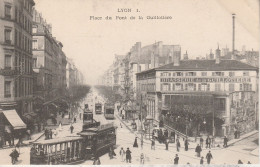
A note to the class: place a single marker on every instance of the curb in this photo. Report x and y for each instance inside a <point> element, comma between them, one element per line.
<point>242,138</point>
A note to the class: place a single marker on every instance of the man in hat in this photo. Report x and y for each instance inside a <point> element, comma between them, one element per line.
<point>128,155</point>
<point>176,159</point>
<point>209,157</point>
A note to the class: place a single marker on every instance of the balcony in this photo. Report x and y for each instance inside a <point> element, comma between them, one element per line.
<point>8,72</point>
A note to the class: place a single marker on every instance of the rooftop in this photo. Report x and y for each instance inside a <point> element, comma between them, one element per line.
<point>204,65</point>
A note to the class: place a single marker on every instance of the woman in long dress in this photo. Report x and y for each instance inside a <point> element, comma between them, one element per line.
<point>135,143</point>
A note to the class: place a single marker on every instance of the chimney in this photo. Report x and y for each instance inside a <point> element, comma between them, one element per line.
<point>185,56</point>
<point>176,59</point>
<point>233,36</point>
<point>217,55</point>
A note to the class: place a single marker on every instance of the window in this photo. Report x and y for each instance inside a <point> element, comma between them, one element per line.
<point>203,73</point>
<point>191,86</point>
<point>231,87</point>
<point>8,61</point>
<point>247,87</point>
<point>245,73</point>
<point>217,73</point>
<point>179,73</point>
<point>8,36</point>
<point>241,87</point>
<point>191,74</point>
<point>7,89</point>
<point>231,74</point>
<point>8,11</point>
<point>165,87</point>
<point>220,104</point>
<point>34,29</point>
<point>217,87</point>
<point>186,86</point>
<point>204,87</point>
<point>178,86</point>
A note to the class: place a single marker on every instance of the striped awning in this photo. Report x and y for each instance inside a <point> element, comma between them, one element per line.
<point>14,119</point>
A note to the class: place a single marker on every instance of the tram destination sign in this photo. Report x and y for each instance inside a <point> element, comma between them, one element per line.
<point>222,79</point>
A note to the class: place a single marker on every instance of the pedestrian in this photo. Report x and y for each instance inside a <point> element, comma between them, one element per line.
<point>46,133</point>
<point>50,134</point>
<point>239,162</point>
<point>201,142</point>
<point>121,125</point>
<point>55,132</point>
<point>209,157</point>
<point>142,158</point>
<point>186,143</point>
<point>225,142</point>
<point>153,145</point>
<point>178,145</point>
<point>128,155</point>
<point>14,156</point>
<point>198,150</point>
<point>71,128</point>
<point>176,159</point>
<point>135,142</point>
<point>166,144</point>
<point>29,134</point>
<point>235,134</point>
<point>208,142</point>
<point>202,160</point>
<point>142,143</point>
<point>122,154</point>
<point>75,119</point>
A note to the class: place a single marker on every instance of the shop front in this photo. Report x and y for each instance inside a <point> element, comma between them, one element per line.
<point>11,126</point>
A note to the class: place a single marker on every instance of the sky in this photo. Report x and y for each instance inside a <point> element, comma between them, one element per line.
<point>196,25</point>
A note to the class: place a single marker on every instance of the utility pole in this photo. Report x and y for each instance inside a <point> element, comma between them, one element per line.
<point>141,118</point>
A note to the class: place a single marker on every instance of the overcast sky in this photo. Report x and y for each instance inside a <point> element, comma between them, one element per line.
<point>197,25</point>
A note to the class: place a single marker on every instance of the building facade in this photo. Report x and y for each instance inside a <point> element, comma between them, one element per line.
<point>49,61</point>
<point>215,97</point>
<point>15,62</point>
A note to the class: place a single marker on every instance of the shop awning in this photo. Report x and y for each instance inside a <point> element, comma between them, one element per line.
<point>14,119</point>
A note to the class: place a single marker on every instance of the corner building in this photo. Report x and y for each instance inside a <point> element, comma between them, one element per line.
<point>194,97</point>
<point>15,65</point>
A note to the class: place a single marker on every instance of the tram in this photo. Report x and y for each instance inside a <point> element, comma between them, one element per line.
<point>98,108</point>
<point>67,150</point>
<point>109,111</point>
<point>93,141</point>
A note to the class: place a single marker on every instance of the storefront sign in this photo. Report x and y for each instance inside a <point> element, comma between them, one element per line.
<point>222,79</point>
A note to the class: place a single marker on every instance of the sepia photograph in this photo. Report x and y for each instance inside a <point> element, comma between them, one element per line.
<point>129,82</point>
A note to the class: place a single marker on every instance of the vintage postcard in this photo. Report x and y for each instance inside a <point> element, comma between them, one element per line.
<point>129,82</point>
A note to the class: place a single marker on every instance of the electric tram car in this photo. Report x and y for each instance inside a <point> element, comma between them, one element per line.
<point>93,141</point>
<point>109,111</point>
<point>98,108</point>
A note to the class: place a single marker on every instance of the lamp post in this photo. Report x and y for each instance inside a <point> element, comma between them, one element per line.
<point>187,121</point>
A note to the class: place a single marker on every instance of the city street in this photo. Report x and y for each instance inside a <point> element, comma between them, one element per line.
<point>241,150</point>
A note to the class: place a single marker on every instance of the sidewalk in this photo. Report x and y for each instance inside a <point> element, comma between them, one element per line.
<point>192,142</point>
<point>34,137</point>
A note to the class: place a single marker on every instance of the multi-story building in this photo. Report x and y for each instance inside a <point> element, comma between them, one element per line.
<point>15,63</point>
<point>194,96</point>
<point>49,61</point>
